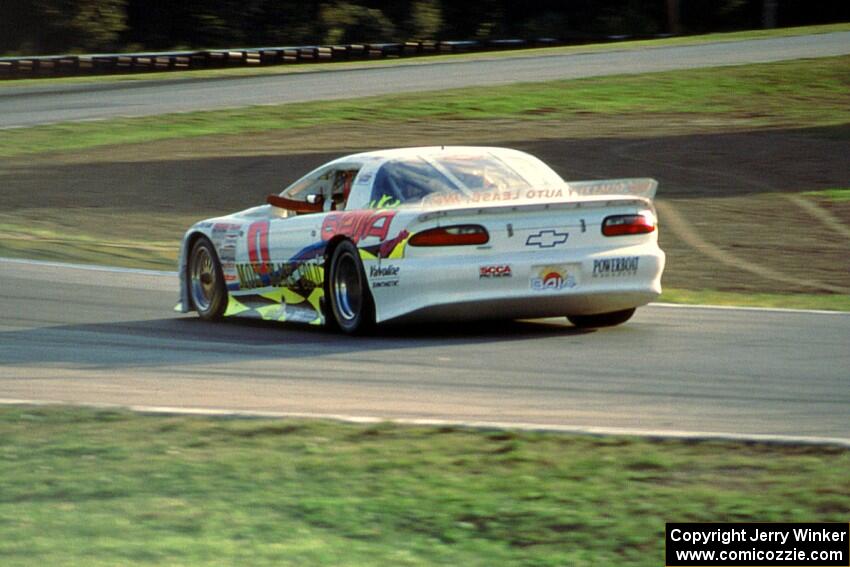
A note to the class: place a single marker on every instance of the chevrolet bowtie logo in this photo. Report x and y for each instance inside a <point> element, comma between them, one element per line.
<point>547,238</point>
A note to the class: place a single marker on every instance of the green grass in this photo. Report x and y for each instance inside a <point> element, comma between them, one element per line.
<point>788,94</point>
<point>93,236</point>
<point>827,302</point>
<point>834,195</point>
<point>282,69</point>
<point>89,487</point>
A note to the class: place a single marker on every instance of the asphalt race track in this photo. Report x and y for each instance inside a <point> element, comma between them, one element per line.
<point>49,103</point>
<point>111,337</point>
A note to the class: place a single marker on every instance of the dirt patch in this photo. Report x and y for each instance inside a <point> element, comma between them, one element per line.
<point>726,186</point>
<point>153,177</point>
<point>753,243</point>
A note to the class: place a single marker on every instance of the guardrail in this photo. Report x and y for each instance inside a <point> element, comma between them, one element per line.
<point>118,63</point>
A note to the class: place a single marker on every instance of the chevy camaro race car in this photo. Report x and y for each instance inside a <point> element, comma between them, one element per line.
<point>438,233</point>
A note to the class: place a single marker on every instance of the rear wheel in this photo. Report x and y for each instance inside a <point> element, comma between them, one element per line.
<point>602,319</point>
<point>350,301</point>
<point>206,282</point>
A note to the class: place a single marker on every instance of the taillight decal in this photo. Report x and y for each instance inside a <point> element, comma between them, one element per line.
<point>457,235</point>
<point>622,225</point>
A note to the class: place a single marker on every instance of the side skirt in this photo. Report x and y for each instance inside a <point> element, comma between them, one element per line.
<point>278,304</point>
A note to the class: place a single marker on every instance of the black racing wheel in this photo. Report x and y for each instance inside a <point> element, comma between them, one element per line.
<point>206,282</point>
<point>351,303</point>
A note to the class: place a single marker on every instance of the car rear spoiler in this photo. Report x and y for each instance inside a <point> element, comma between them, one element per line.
<point>295,206</point>
<point>530,206</point>
<point>639,187</point>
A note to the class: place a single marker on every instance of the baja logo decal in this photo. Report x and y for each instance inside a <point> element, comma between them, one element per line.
<point>613,267</point>
<point>548,238</point>
<point>500,271</point>
<point>258,247</point>
<point>553,278</point>
<point>358,225</point>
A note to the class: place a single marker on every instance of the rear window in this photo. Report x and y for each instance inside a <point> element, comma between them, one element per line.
<point>404,181</point>
<point>482,173</point>
<point>410,180</point>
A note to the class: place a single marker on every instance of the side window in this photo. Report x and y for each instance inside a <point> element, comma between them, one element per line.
<point>310,184</point>
<point>341,188</point>
<point>331,185</point>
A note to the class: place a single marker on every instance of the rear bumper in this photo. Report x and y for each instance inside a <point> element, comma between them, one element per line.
<point>540,284</point>
<point>529,308</point>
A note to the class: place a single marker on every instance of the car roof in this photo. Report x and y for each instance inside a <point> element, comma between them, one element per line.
<point>430,151</point>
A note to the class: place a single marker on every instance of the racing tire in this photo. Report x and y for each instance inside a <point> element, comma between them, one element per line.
<point>206,281</point>
<point>352,309</point>
<point>601,319</point>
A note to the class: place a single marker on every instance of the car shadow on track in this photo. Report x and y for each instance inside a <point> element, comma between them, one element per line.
<point>242,330</point>
<point>189,340</point>
<point>464,332</point>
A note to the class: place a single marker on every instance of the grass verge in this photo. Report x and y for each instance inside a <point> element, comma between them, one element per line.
<point>89,236</point>
<point>826,302</point>
<point>792,93</point>
<point>81,486</point>
<point>593,48</point>
<point>832,195</point>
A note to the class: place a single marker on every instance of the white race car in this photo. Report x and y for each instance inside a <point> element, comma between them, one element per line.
<point>441,233</point>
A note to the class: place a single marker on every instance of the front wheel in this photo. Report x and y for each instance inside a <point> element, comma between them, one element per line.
<point>350,301</point>
<point>206,281</point>
<point>601,319</point>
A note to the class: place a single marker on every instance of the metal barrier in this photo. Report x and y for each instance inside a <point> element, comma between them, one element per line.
<point>117,63</point>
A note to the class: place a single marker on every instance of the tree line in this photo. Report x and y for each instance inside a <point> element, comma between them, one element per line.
<point>35,27</point>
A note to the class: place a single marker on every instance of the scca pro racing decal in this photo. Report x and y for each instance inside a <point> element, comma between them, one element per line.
<point>615,267</point>
<point>553,278</point>
<point>497,271</point>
